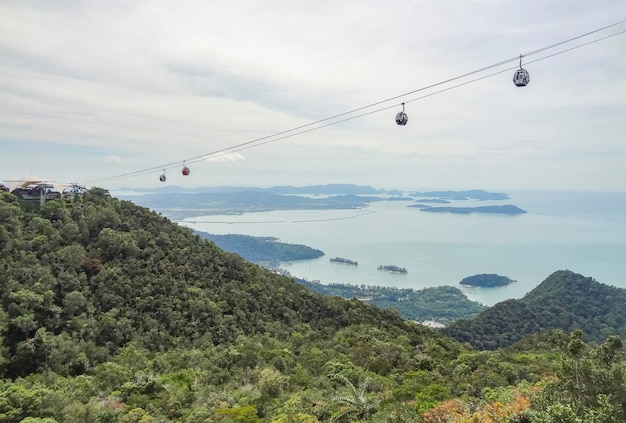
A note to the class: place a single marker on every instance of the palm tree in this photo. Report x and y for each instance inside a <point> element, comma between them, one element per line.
<point>355,405</point>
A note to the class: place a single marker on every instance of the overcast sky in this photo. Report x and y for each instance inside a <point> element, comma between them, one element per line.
<point>94,89</point>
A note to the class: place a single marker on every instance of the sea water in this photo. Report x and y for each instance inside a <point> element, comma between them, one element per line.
<point>581,231</point>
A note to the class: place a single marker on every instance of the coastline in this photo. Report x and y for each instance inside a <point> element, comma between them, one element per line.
<point>584,232</point>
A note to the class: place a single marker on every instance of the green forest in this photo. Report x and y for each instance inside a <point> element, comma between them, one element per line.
<point>442,304</point>
<point>486,280</point>
<point>112,313</point>
<point>263,250</point>
<point>565,300</point>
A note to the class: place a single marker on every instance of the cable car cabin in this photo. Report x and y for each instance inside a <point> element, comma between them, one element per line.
<point>521,78</point>
<point>185,171</point>
<point>402,118</point>
<point>163,178</point>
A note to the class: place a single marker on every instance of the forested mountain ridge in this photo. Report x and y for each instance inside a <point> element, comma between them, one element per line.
<point>261,250</point>
<point>565,300</point>
<point>104,272</point>
<point>110,313</point>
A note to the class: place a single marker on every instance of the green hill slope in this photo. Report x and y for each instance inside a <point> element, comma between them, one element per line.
<point>261,250</point>
<point>565,300</point>
<point>110,313</point>
<point>101,273</point>
<point>439,305</point>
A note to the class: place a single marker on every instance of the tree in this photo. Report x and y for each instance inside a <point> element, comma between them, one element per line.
<point>357,404</point>
<point>113,244</point>
<point>291,412</point>
<point>137,415</point>
<point>18,401</point>
<point>591,385</point>
<point>240,414</point>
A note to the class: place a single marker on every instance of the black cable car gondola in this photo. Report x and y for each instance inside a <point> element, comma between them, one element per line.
<point>186,170</point>
<point>402,118</point>
<point>521,78</point>
<point>163,178</point>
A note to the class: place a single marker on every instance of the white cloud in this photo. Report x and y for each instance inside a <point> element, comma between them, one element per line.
<point>226,158</point>
<point>113,159</point>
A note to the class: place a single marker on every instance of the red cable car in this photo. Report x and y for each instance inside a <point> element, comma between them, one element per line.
<point>186,170</point>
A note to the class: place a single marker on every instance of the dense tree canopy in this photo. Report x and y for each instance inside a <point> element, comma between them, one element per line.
<point>262,250</point>
<point>112,313</point>
<point>565,300</point>
<point>105,272</point>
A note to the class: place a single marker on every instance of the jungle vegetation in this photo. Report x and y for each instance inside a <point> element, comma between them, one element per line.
<point>443,304</point>
<point>565,300</point>
<point>263,250</point>
<point>112,313</point>
<point>486,280</point>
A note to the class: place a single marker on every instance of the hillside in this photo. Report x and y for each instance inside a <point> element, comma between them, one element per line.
<point>439,305</point>
<point>111,313</point>
<point>565,300</point>
<point>106,272</point>
<point>85,284</point>
<point>261,250</point>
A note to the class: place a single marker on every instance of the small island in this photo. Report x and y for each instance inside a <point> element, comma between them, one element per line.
<point>486,280</point>
<point>344,260</point>
<point>508,210</point>
<point>392,268</point>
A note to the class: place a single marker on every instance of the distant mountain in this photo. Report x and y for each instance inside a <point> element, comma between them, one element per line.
<point>474,194</point>
<point>327,189</point>
<point>180,205</point>
<point>284,189</point>
<point>565,300</point>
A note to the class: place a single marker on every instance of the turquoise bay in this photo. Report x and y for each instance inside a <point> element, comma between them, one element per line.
<point>581,231</point>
